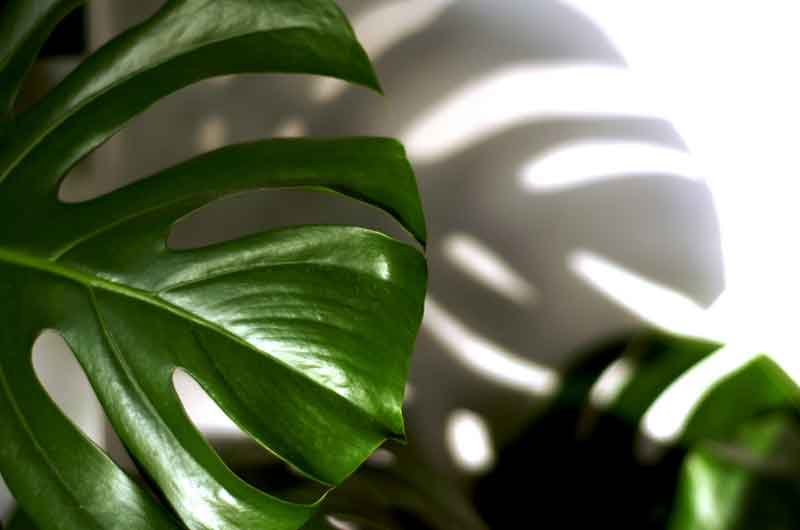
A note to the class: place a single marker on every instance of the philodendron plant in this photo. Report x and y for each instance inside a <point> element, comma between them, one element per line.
<point>301,334</point>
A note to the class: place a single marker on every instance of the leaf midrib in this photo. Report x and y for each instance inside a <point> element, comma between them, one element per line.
<point>90,281</point>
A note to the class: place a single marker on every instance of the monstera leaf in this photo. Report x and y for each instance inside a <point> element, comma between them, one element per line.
<point>301,334</point>
<point>739,446</point>
<point>393,490</point>
<point>742,471</point>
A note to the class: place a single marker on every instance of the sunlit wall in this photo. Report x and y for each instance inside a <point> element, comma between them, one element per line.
<point>585,165</point>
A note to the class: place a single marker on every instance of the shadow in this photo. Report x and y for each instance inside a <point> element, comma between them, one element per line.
<point>661,227</point>
<point>588,464</point>
<point>583,477</point>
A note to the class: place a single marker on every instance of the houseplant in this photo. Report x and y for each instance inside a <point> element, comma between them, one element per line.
<point>301,334</point>
<point>734,465</point>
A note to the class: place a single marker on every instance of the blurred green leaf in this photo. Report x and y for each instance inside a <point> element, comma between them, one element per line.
<point>754,389</point>
<point>658,359</point>
<point>576,453</point>
<point>397,491</point>
<point>21,521</point>
<point>750,481</point>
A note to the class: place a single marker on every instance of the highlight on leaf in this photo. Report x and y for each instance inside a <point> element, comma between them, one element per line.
<point>301,335</point>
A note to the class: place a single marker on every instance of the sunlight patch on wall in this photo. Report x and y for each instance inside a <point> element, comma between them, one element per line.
<point>739,118</point>
<point>582,163</point>
<point>520,94</point>
<point>482,264</point>
<point>612,382</point>
<point>485,358</point>
<point>656,304</point>
<point>667,417</point>
<point>213,133</point>
<point>293,127</point>
<point>469,441</point>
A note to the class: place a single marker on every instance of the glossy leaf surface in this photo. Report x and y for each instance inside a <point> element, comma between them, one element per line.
<point>301,334</point>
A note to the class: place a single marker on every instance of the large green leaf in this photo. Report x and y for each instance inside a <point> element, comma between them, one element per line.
<point>186,41</point>
<point>301,334</point>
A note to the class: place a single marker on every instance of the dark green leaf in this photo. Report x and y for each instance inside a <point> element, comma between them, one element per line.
<point>370,169</point>
<point>402,494</point>
<point>658,360</point>
<point>301,334</point>
<point>750,481</point>
<point>756,388</point>
<point>21,521</point>
<point>24,27</point>
<point>186,41</point>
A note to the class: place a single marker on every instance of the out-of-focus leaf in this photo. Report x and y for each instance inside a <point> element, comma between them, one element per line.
<point>21,521</point>
<point>658,360</point>
<point>578,464</point>
<point>758,387</point>
<point>750,481</point>
<point>396,492</point>
<point>583,455</point>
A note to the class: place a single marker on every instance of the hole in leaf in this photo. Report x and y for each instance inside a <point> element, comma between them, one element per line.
<point>58,56</point>
<point>213,133</point>
<point>66,383</point>
<point>6,502</point>
<point>68,37</point>
<point>241,453</point>
<point>256,211</point>
<point>293,127</point>
<point>64,380</point>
